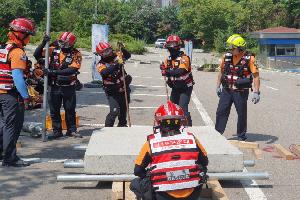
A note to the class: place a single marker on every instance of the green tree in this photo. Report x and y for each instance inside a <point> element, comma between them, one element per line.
<point>202,19</point>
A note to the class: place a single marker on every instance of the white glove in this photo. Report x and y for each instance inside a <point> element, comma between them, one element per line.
<point>256,97</point>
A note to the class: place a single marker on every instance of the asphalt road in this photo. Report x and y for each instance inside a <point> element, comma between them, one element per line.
<point>275,119</point>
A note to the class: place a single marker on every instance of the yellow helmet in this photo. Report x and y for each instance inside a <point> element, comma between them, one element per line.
<point>235,40</point>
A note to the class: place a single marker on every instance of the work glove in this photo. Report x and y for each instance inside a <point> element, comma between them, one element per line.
<point>46,39</point>
<point>120,45</point>
<point>163,69</point>
<point>219,91</point>
<point>28,103</point>
<point>49,72</point>
<point>256,97</point>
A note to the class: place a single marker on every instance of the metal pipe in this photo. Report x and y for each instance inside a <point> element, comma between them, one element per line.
<point>126,177</point>
<point>80,147</point>
<point>249,163</point>
<point>44,138</point>
<point>74,164</point>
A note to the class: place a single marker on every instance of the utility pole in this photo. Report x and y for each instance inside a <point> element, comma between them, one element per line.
<point>96,11</point>
<point>46,66</point>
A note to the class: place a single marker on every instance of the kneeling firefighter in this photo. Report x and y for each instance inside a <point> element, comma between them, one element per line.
<point>110,68</point>
<point>65,62</point>
<point>172,164</point>
<point>177,69</point>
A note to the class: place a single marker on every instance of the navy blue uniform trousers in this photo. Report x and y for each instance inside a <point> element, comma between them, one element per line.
<point>239,99</point>
<point>11,123</point>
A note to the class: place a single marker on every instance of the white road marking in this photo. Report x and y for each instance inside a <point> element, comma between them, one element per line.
<point>153,86</point>
<point>207,120</point>
<point>132,94</point>
<point>250,186</point>
<point>102,125</point>
<point>85,72</point>
<point>147,77</point>
<point>252,189</point>
<point>107,106</point>
<point>272,88</point>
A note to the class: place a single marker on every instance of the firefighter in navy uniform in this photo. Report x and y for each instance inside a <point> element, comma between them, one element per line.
<point>65,62</point>
<point>110,68</point>
<point>177,69</point>
<point>172,164</point>
<point>14,95</point>
<point>238,71</point>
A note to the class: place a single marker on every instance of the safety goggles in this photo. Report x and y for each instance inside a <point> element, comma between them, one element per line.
<point>107,52</point>
<point>170,122</point>
<point>63,44</point>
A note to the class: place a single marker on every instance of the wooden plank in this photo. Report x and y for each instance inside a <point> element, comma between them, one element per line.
<point>117,191</point>
<point>217,191</point>
<point>283,152</point>
<point>18,144</point>
<point>295,149</point>
<point>257,153</point>
<point>245,145</point>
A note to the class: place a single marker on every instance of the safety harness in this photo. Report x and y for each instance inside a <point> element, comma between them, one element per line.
<point>115,80</point>
<point>186,79</point>
<point>56,64</point>
<point>237,76</point>
<point>174,162</point>
<point>6,79</point>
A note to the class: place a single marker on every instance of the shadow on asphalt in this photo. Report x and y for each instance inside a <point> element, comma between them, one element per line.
<point>16,185</point>
<point>237,184</point>
<point>257,137</point>
<point>100,185</point>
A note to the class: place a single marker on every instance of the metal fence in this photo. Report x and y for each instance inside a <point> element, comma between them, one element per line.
<point>283,64</point>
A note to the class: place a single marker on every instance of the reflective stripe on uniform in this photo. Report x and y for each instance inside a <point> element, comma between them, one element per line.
<point>177,186</point>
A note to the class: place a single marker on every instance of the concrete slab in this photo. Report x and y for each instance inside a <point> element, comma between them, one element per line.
<point>113,150</point>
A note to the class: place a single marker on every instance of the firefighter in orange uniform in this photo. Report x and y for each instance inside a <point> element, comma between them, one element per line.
<point>13,90</point>
<point>65,62</point>
<point>110,68</point>
<point>238,72</point>
<point>177,69</point>
<point>172,164</point>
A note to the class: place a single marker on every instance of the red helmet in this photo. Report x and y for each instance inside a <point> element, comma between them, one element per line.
<point>173,41</point>
<point>104,49</point>
<point>66,39</point>
<point>170,111</point>
<point>22,25</point>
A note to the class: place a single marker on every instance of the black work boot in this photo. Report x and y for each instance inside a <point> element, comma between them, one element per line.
<point>73,134</point>
<point>55,136</point>
<point>18,163</point>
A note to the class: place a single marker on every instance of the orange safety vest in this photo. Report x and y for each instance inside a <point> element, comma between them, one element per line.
<point>114,81</point>
<point>234,72</point>
<point>174,162</point>
<point>56,64</point>
<point>187,77</point>
<point>6,79</point>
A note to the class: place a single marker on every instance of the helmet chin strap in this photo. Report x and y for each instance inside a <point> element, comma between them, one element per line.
<point>25,35</point>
